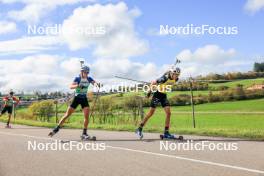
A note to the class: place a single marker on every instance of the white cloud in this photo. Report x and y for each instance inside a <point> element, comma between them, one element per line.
<point>30,73</point>
<point>39,72</point>
<point>52,73</point>
<point>26,45</point>
<point>207,54</point>
<point>31,13</point>
<point>105,71</point>
<point>70,66</point>
<point>7,27</point>
<point>211,59</point>
<point>253,6</point>
<point>120,39</point>
<point>108,68</point>
<point>47,2</point>
<point>34,10</point>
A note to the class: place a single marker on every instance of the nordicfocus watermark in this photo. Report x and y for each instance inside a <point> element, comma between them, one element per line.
<point>191,29</point>
<point>190,145</point>
<point>58,29</point>
<point>65,146</point>
<point>124,87</point>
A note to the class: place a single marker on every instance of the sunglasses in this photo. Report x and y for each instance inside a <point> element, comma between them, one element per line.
<point>174,73</point>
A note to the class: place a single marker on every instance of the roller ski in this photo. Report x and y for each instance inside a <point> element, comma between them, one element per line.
<point>139,133</point>
<point>86,137</point>
<point>167,135</point>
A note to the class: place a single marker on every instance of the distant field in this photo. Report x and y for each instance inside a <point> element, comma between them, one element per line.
<point>234,106</point>
<point>246,83</point>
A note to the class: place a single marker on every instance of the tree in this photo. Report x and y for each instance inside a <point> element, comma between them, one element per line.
<point>133,104</point>
<point>104,108</point>
<point>259,67</point>
<point>43,109</point>
<point>239,92</point>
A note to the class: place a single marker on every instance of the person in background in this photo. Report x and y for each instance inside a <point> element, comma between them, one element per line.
<point>10,102</point>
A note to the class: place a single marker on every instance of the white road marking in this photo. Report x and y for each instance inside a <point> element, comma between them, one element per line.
<point>189,159</point>
<point>152,153</point>
<point>28,136</point>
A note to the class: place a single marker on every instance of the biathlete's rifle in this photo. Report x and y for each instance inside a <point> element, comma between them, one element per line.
<point>68,98</point>
<point>14,109</point>
<point>177,61</point>
<point>97,94</point>
<point>81,62</point>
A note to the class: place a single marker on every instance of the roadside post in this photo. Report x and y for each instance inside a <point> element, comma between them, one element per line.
<point>192,102</point>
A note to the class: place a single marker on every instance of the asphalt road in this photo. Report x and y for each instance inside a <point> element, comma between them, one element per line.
<point>122,154</point>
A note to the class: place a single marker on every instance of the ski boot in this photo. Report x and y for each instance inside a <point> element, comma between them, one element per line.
<point>54,131</point>
<point>167,135</point>
<point>86,137</point>
<point>139,133</point>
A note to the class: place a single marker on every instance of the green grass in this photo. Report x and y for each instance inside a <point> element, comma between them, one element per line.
<point>216,124</point>
<point>245,82</point>
<point>233,106</point>
<point>250,126</point>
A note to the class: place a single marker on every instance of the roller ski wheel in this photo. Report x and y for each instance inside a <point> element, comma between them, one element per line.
<point>172,137</point>
<point>8,126</point>
<point>88,138</point>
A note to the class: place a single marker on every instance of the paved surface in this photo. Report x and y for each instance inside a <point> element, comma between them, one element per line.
<point>123,155</point>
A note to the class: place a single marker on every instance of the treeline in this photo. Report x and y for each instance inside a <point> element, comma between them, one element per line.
<point>259,67</point>
<point>234,94</point>
<point>215,78</point>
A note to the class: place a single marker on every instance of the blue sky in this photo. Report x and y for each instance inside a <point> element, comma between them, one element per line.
<point>231,13</point>
<point>143,49</point>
